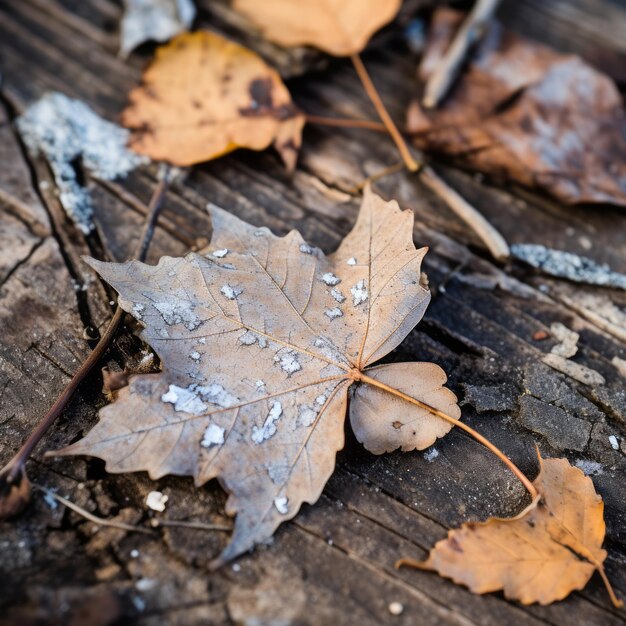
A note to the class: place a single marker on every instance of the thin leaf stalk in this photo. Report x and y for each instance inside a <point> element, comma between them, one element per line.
<point>411,164</point>
<point>468,429</point>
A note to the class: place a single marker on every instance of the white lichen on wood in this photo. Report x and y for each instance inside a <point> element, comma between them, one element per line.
<point>70,136</point>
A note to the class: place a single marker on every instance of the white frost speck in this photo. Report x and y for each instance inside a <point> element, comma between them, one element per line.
<point>288,362</point>
<point>306,415</point>
<point>614,442</point>
<point>220,254</point>
<point>395,608</point>
<point>351,261</point>
<point>134,554</point>
<point>359,293</point>
<point>335,293</point>
<point>333,313</point>
<point>50,500</point>
<point>306,248</point>
<point>193,399</point>
<point>259,384</point>
<point>431,455</point>
<point>590,468</point>
<point>202,340</point>
<point>195,355</point>
<point>138,310</point>
<point>282,504</point>
<point>259,435</point>
<point>230,292</point>
<point>68,132</point>
<point>213,436</point>
<point>320,399</point>
<point>236,567</point>
<point>156,501</point>
<point>178,312</point>
<point>248,338</point>
<point>330,279</point>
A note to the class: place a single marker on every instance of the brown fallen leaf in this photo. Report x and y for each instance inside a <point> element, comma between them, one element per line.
<point>339,27</point>
<point>204,96</point>
<point>260,339</point>
<point>527,113</point>
<point>549,550</point>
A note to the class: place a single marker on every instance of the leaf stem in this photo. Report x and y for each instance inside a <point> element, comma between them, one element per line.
<point>14,469</point>
<point>344,122</point>
<point>370,89</point>
<point>90,516</point>
<point>468,429</point>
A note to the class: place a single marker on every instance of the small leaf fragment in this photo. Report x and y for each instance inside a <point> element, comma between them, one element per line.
<point>204,96</point>
<point>383,423</point>
<point>551,549</point>
<point>339,27</point>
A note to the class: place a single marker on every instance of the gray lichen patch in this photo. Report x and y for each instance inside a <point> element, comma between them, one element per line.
<point>562,430</point>
<point>67,132</point>
<point>567,265</point>
<point>157,20</point>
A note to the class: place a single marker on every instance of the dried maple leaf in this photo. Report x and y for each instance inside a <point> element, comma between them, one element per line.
<point>527,113</point>
<point>549,550</point>
<point>260,338</point>
<point>339,27</point>
<point>204,96</point>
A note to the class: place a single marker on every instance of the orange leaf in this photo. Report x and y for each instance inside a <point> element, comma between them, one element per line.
<point>549,550</point>
<point>339,27</point>
<point>204,96</point>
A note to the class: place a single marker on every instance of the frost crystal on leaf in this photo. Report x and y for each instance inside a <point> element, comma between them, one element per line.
<point>213,436</point>
<point>351,261</point>
<point>193,399</point>
<point>178,312</point>
<point>195,355</point>
<point>259,435</point>
<point>282,504</point>
<point>220,254</point>
<point>335,293</point>
<point>288,362</point>
<point>306,249</point>
<point>333,313</point>
<point>359,293</point>
<point>330,279</point>
<point>231,292</point>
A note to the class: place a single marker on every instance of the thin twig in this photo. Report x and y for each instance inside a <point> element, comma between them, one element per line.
<point>14,469</point>
<point>345,122</point>
<point>90,516</point>
<point>470,32</point>
<point>494,241</point>
<point>157,523</point>
<point>370,89</point>
<point>468,429</point>
<point>386,171</point>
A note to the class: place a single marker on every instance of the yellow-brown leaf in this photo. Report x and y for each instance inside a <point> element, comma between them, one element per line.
<point>339,27</point>
<point>204,96</point>
<point>549,550</point>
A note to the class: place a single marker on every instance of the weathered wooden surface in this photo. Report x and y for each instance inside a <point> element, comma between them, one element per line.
<point>334,562</point>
